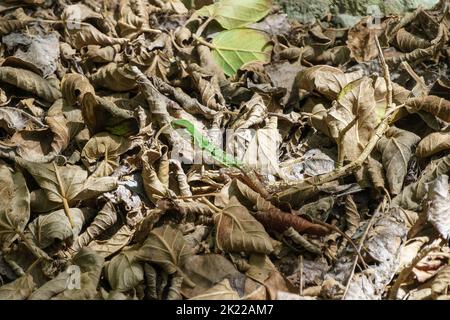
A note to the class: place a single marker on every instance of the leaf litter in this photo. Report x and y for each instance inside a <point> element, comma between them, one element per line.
<point>218,150</point>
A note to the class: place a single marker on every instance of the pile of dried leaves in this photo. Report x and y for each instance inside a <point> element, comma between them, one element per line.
<point>119,180</point>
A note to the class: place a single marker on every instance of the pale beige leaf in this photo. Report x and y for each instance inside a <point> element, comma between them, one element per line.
<point>353,118</point>
<point>262,151</point>
<point>433,143</point>
<point>438,106</point>
<point>19,289</point>
<point>325,80</point>
<point>88,35</point>
<point>252,112</point>
<point>441,282</point>
<point>439,206</point>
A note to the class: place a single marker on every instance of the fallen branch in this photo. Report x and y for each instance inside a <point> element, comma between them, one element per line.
<point>355,165</point>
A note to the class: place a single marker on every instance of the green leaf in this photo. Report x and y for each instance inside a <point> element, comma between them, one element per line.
<point>203,143</point>
<point>234,48</point>
<point>231,14</point>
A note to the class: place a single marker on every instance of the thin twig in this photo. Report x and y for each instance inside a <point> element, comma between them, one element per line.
<point>212,194</point>
<point>356,164</point>
<point>349,240</point>
<point>386,74</point>
<point>341,140</point>
<point>203,42</point>
<point>360,246</point>
<point>149,30</point>
<point>203,26</point>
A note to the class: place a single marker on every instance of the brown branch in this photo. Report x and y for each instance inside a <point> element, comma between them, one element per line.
<point>356,164</point>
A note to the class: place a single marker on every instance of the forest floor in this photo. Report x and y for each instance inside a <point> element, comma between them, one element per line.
<point>169,149</point>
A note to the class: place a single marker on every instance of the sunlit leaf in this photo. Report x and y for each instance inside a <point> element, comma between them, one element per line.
<point>234,48</point>
<point>233,14</point>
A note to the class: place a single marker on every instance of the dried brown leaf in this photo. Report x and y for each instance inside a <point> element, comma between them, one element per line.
<point>439,206</point>
<point>238,231</point>
<point>433,143</point>
<point>73,88</point>
<point>325,80</point>
<point>221,291</point>
<point>20,289</point>
<point>165,246</point>
<point>15,208</point>
<point>396,148</point>
<point>438,106</point>
<point>114,77</point>
<point>30,82</point>
<point>352,120</point>
<point>107,147</point>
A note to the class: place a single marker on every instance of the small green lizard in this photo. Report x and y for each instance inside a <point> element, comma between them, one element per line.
<point>202,142</point>
<point>223,158</point>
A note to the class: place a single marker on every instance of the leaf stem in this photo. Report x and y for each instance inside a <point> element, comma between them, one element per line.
<point>67,212</point>
<point>360,246</point>
<point>203,42</point>
<point>203,26</point>
<point>34,264</point>
<point>63,196</point>
<point>186,279</point>
<point>351,167</point>
<point>35,250</point>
